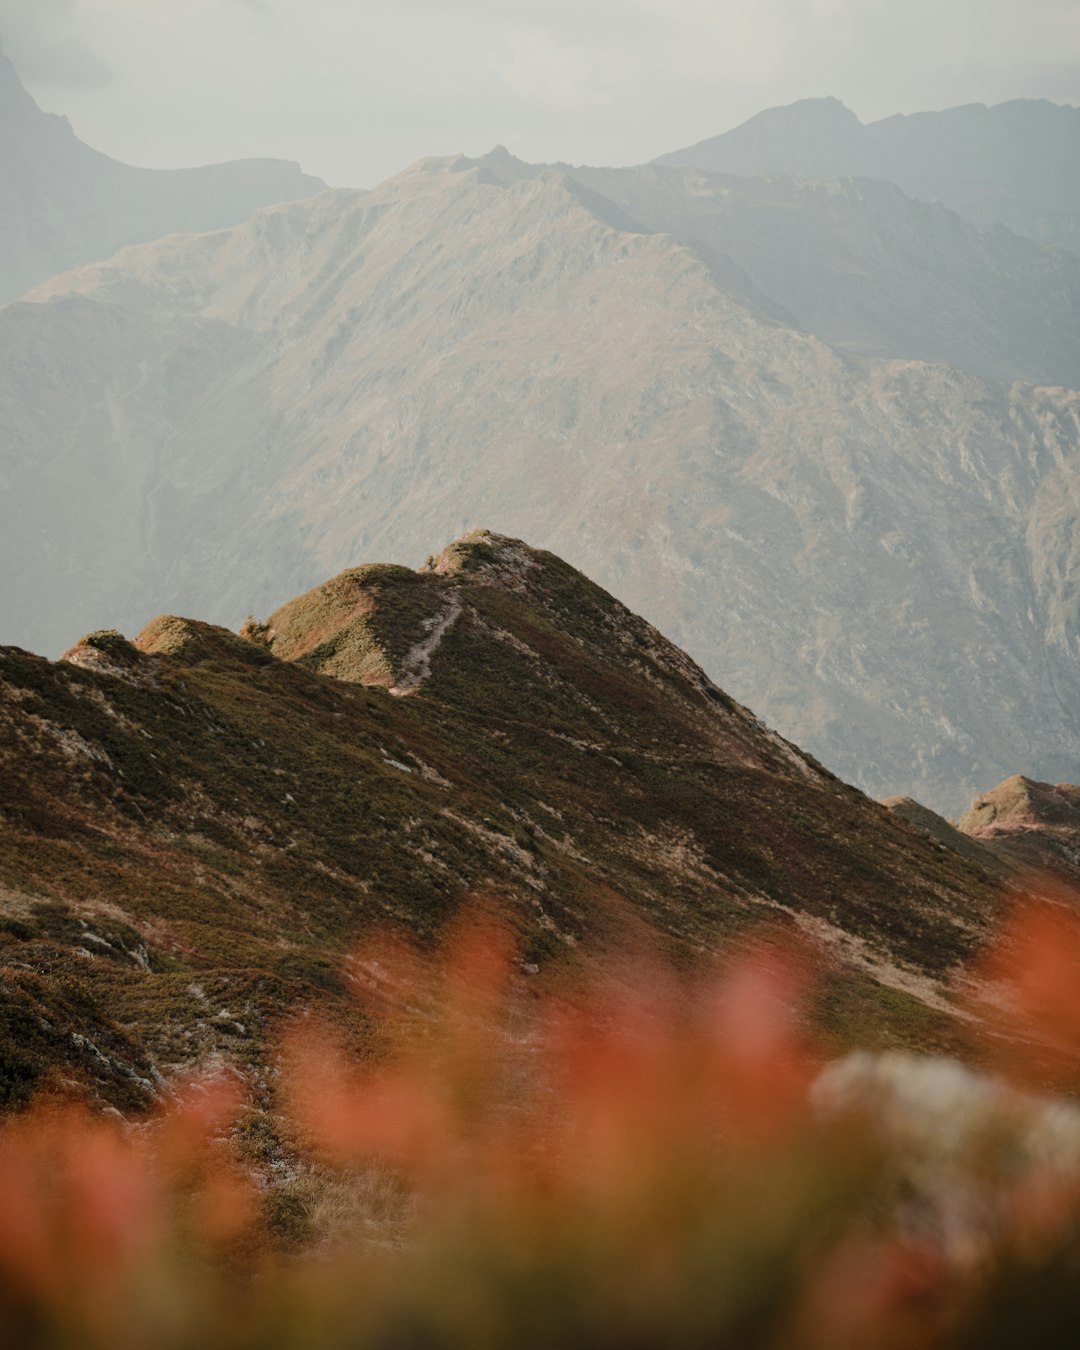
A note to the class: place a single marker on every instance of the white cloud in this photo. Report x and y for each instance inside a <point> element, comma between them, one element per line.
<point>263,8</point>
<point>46,41</point>
<point>537,67</point>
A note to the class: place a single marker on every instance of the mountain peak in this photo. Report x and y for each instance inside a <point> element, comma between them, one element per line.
<point>193,642</point>
<point>359,626</point>
<point>382,624</point>
<point>500,154</point>
<point>825,111</point>
<point>486,556</point>
<point>1012,164</point>
<point>808,138</point>
<point>1021,803</point>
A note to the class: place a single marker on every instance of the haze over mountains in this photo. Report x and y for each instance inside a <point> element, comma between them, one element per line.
<point>1014,164</point>
<point>63,204</point>
<point>823,433</point>
<point>856,262</point>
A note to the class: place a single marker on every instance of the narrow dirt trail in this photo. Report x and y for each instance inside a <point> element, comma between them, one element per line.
<point>416,667</point>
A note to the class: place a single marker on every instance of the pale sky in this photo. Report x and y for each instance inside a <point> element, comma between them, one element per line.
<point>358,89</point>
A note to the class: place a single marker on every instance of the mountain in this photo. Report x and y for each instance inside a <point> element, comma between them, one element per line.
<point>858,263</point>
<point>63,204</point>
<point>195,828</point>
<point>877,554</point>
<point>1012,165</point>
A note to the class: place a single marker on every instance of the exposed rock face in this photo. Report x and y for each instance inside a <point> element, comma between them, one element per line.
<point>878,554</point>
<point>1013,164</point>
<point>63,204</point>
<point>198,826</point>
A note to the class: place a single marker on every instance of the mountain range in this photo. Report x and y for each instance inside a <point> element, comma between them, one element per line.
<point>856,262</point>
<point>1012,165</point>
<point>806,397</point>
<point>63,204</point>
<point>823,433</point>
<point>874,551</point>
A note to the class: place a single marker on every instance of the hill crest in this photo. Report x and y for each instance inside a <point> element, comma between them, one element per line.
<point>237,817</point>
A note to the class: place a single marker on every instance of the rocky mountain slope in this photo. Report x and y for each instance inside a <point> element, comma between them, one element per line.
<point>1012,165</point>
<point>197,826</point>
<point>879,555</point>
<point>1025,832</point>
<point>63,204</point>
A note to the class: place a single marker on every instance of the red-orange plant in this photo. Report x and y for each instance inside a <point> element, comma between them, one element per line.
<point>99,1218</point>
<point>632,1159</point>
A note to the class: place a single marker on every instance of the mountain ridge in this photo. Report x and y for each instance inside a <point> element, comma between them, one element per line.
<point>859,264</point>
<point>197,829</point>
<point>1011,164</point>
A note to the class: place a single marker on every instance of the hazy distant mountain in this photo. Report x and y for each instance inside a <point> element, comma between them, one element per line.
<point>63,204</point>
<point>881,556</point>
<point>1016,164</point>
<point>857,262</point>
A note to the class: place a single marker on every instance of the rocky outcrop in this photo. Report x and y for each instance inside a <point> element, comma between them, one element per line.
<point>1032,827</point>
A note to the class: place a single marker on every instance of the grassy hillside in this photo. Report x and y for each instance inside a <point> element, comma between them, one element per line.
<point>197,826</point>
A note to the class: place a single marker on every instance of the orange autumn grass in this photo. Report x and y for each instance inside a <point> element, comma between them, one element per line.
<point>635,1163</point>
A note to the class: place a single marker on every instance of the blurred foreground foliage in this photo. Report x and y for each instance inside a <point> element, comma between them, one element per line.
<point>641,1160</point>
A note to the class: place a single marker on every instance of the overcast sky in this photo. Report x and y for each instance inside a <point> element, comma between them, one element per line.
<point>357,89</point>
